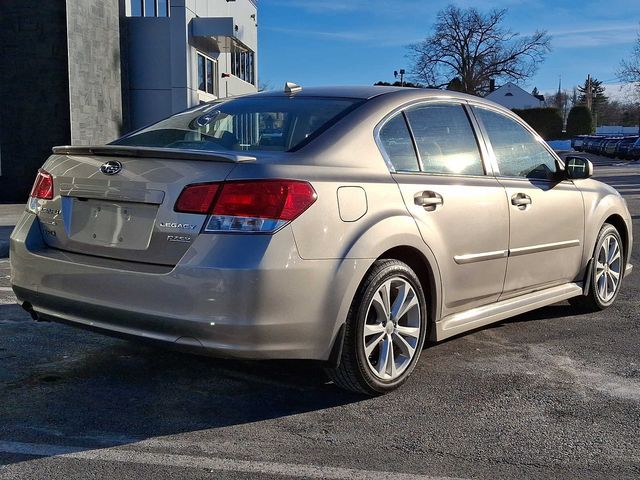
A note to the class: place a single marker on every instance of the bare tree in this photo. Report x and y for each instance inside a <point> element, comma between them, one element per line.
<point>629,70</point>
<point>476,48</point>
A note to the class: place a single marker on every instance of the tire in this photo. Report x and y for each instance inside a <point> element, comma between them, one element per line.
<point>604,286</point>
<point>396,331</point>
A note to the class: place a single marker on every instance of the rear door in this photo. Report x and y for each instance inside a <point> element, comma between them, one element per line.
<point>460,211</point>
<point>546,215</point>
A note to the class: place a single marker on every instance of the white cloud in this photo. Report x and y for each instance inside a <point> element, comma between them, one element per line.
<point>594,36</point>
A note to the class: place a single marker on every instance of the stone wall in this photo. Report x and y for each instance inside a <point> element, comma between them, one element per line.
<point>95,91</point>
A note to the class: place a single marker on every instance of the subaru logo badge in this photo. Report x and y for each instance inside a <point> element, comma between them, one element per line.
<point>111,167</point>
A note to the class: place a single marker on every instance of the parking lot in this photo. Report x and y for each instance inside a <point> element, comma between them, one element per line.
<point>546,394</point>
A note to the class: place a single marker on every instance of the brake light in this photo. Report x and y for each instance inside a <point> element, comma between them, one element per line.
<point>43,186</point>
<point>247,206</point>
<point>197,198</point>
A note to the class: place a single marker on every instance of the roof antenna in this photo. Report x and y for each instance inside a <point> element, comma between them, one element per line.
<point>290,87</point>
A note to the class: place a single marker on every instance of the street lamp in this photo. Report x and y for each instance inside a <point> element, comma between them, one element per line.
<point>401,73</point>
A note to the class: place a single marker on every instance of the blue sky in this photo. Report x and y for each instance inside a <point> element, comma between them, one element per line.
<point>325,42</point>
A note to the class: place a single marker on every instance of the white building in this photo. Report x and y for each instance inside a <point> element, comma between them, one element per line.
<point>512,96</point>
<point>183,52</point>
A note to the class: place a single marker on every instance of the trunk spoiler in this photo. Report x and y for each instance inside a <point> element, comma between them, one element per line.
<point>153,152</point>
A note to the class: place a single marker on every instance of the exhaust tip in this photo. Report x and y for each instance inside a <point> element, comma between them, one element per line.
<point>34,315</point>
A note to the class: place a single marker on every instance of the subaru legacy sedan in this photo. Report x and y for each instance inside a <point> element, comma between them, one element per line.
<point>345,225</point>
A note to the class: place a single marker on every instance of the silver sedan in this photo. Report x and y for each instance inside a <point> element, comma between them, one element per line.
<point>344,225</point>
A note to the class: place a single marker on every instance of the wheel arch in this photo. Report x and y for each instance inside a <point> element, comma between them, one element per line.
<point>426,274</point>
<point>618,222</point>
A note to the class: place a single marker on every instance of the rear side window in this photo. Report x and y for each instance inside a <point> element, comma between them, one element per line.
<point>251,123</point>
<point>518,153</point>
<point>398,145</point>
<point>445,139</point>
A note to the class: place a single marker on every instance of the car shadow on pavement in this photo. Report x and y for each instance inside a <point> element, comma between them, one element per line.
<point>66,386</point>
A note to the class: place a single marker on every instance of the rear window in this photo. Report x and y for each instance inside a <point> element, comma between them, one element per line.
<point>241,124</point>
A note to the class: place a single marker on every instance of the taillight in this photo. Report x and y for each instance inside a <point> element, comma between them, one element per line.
<point>197,198</point>
<point>43,186</point>
<point>247,206</point>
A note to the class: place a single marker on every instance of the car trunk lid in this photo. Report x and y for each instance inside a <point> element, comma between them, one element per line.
<point>126,212</point>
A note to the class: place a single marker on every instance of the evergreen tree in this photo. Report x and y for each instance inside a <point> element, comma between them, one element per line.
<point>597,93</point>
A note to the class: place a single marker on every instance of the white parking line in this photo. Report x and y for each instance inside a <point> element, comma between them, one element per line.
<point>210,463</point>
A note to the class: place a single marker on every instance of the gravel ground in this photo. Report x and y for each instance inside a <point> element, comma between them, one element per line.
<point>546,394</point>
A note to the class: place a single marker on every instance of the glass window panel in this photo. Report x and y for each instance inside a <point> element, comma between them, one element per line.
<point>209,76</point>
<point>264,123</point>
<point>398,145</point>
<point>445,139</point>
<point>517,151</point>
<point>136,8</point>
<point>149,8</point>
<point>163,8</point>
<point>201,73</point>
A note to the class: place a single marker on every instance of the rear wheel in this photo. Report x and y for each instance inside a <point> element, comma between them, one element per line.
<point>607,271</point>
<point>385,330</point>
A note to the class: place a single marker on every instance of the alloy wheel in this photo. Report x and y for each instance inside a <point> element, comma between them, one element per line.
<point>392,328</point>
<point>608,268</point>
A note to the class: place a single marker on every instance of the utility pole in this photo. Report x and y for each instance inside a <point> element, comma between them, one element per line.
<point>589,99</point>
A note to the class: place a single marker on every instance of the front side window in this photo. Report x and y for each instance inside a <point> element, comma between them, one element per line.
<point>518,152</point>
<point>397,144</point>
<point>445,139</point>
<point>250,123</point>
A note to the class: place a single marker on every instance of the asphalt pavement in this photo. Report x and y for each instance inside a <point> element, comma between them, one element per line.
<point>548,394</point>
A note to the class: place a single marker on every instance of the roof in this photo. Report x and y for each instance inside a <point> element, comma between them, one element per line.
<point>364,92</point>
<point>510,87</point>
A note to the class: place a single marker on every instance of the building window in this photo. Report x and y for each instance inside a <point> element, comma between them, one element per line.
<point>149,8</point>
<point>207,74</point>
<point>243,64</point>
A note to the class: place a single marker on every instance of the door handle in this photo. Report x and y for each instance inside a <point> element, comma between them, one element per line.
<point>428,200</point>
<point>521,200</point>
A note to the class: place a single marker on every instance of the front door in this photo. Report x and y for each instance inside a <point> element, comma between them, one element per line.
<point>546,233</point>
<point>460,210</point>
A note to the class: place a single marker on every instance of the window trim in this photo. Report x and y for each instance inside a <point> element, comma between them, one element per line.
<point>216,82</point>
<point>491,154</point>
<point>143,9</point>
<point>487,164</point>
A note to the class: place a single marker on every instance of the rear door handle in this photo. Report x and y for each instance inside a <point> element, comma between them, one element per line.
<point>521,200</point>
<point>428,200</point>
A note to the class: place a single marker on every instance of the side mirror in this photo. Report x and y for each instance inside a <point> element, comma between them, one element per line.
<point>577,168</point>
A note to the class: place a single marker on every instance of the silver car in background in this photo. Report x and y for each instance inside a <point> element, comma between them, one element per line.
<point>345,225</point>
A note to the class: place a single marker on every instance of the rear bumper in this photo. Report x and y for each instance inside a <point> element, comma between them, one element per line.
<point>231,295</point>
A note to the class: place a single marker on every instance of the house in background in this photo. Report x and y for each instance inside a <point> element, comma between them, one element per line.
<point>85,72</point>
<point>512,96</point>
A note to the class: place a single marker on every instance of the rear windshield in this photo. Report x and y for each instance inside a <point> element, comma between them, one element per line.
<point>268,123</point>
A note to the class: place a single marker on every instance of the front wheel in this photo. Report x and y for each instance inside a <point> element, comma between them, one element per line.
<point>385,330</point>
<point>607,271</point>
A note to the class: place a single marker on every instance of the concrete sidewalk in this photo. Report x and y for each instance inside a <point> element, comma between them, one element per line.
<point>9,216</point>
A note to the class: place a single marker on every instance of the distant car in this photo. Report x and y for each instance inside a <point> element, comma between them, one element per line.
<point>609,147</point>
<point>577,142</point>
<point>591,143</point>
<point>374,219</point>
<point>623,150</point>
<point>634,151</point>
<point>598,145</point>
